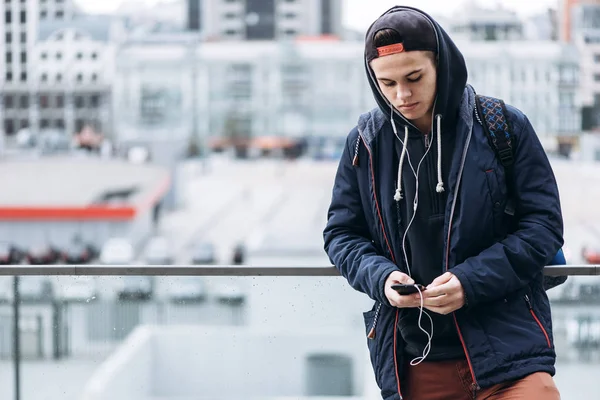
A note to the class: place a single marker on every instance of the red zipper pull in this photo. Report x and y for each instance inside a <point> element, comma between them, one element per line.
<point>371,334</point>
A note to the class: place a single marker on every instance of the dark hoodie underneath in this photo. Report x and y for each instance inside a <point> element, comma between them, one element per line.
<point>425,238</point>
<point>425,243</point>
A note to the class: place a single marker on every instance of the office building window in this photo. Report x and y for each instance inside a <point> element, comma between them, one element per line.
<point>58,77</point>
<point>9,126</point>
<point>59,14</point>
<point>79,101</point>
<point>23,16</point>
<point>8,37</point>
<point>60,101</point>
<point>44,77</point>
<point>597,77</point>
<point>24,101</point>
<point>23,57</point>
<point>94,56</point>
<point>8,17</point>
<point>23,76</point>
<point>23,37</point>
<point>24,123</point>
<point>44,56</point>
<point>59,124</point>
<point>44,123</point>
<point>597,58</point>
<point>8,101</point>
<point>43,14</point>
<point>95,100</point>
<point>79,78</point>
<point>59,56</point>
<point>9,76</point>
<point>94,77</point>
<point>79,56</point>
<point>43,101</point>
<point>8,57</point>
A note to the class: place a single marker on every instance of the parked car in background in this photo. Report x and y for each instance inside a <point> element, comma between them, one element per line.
<point>78,289</point>
<point>135,288</point>
<point>591,255</point>
<point>9,254</point>
<point>203,253</point>
<point>186,289</point>
<point>42,253</point>
<point>78,252</point>
<point>117,251</point>
<point>229,293</point>
<point>159,251</point>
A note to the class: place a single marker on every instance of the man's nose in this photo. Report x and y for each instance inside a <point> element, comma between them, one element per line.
<point>403,92</point>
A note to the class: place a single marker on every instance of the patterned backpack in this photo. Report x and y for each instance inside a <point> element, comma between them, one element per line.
<point>500,135</point>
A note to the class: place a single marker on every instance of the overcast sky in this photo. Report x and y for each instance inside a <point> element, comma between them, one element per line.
<point>359,14</point>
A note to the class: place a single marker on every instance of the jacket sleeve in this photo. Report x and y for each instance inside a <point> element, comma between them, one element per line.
<point>346,235</point>
<point>512,263</point>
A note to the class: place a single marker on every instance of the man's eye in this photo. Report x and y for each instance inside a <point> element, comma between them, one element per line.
<point>389,84</point>
<point>417,79</point>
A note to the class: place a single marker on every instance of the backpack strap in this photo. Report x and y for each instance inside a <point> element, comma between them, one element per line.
<point>500,134</point>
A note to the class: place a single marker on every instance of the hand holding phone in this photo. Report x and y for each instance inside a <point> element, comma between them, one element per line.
<point>405,289</point>
<point>397,286</point>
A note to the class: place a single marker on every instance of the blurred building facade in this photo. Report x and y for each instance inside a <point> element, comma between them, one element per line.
<point>584,32</point>
<point>476,23</point>
<point>19,26</point>
<point>314,89</point>
<point>536,77</point>
<point>264,19</point>
<point>72,74</point>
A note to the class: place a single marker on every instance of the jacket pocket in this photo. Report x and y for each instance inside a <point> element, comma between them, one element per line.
<point>537,320</point>
<point>370,319</point>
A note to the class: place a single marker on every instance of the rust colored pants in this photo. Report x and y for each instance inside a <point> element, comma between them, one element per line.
<point>451,380</point>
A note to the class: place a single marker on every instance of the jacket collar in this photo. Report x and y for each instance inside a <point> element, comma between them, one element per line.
<point>370,124</point>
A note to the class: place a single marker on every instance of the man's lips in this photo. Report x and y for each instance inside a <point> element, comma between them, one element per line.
<point>409,106</point>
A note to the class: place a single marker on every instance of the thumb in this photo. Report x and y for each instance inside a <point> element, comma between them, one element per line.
<point>404,278</point>
<point>440,280</point>
<point>400,277</point>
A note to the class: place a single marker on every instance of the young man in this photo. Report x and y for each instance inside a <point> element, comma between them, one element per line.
<point>420,197</point>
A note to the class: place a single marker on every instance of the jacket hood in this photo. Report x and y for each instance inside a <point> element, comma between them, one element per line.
<point>451,70</point>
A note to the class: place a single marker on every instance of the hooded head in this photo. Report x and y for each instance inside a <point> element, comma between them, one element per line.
<point>414,68</point>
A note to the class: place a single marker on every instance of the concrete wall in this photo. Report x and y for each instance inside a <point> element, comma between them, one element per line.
<point>223,363</point>
<point>127,373</point>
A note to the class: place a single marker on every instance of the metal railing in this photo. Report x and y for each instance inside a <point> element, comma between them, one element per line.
<point>221,270</point>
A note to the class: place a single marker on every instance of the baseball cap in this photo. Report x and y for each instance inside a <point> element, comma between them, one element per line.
<point>415,31</point>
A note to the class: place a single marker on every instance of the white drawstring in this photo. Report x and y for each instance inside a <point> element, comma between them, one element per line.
<point>440,185</point>
<point>398,195</point>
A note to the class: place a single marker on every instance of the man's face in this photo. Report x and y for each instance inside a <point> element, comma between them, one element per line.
<point>408,81</point>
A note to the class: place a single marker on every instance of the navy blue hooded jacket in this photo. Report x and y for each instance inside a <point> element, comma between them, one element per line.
<point>506,327</point>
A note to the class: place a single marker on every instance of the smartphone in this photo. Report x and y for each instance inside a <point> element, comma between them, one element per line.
<point>404,289</point>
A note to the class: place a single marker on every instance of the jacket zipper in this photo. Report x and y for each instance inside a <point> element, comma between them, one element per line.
<point>474,386</point>
<point>537,320</point>
<point>372,330</point>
